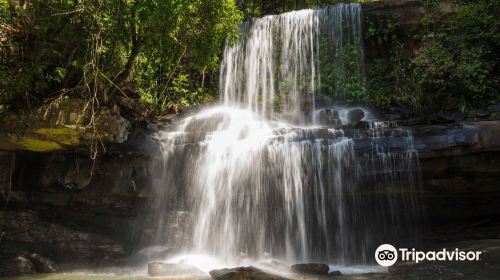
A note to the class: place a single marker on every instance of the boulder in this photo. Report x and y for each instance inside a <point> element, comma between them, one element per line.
<point>354,116</point>
<point>244,273</point>
<point>172,269</point>
<point>311,268</point>
<point>42,264</point>
<point>14,261</point>
<point>15,265</point>
<point>61,125</point>
<point>486,112</point>
<point>335,273</point>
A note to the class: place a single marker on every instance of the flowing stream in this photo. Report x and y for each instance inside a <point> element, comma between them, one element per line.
<point>260,178</point>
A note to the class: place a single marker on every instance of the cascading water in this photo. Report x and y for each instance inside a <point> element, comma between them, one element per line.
<point>276,64</point>
<point>261,179</point>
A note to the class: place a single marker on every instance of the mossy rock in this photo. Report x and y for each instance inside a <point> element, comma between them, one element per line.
<point>61,126</point>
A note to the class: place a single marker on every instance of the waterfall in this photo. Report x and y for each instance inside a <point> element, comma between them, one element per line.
<point>260,179</point>
<point>275,67</point>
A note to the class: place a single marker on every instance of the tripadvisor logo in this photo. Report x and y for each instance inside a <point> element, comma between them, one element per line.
<point>387,255</point>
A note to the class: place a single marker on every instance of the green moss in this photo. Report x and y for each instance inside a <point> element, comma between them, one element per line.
<point>61,135</point>
<point>41,140</point>
<point>45,143</point>
<point>37,145</point>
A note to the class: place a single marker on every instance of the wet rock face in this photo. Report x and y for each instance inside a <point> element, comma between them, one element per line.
<point>329,117</point>
<point>469,184</point>
<point>57,241</point>
<point>243,273</point>
<point>62,210</point>
<point>80,213</point>
<point>56,206</point>
<point>7,164</point>
<point>311,268</point>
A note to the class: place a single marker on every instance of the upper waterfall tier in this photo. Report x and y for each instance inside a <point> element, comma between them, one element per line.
<point>276,66</point>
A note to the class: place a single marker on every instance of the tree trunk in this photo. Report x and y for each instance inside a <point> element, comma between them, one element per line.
<point>134,52</point>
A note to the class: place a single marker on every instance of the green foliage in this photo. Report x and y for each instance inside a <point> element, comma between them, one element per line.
<point>342,74</point>
<point>169,49</point>
<point>430,3</point>
<point>257,8</point>
<point>381,33</point>
<point>433,67</point>
<point>455,65</point>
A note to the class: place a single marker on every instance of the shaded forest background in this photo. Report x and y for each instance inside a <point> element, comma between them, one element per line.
<point>156,57</point>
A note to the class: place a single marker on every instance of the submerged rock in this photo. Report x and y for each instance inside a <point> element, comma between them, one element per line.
<point>244,273</point>
<point>172,269</point>
<point>311,268</point>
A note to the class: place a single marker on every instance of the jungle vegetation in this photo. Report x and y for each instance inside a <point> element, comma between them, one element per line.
<point>164,55</point>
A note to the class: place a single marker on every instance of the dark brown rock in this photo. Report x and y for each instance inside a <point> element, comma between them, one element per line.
<point>15,261</point>
<point>15,265</point>
<point>168,118</point>
<point>42,264</point>
<point>243,273</point>
<point>335,273</point>
<point>7,165</point>
<point>456,139</point>
<point>58,242</point>
<point>354,116</point>
<point>311,268</point>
